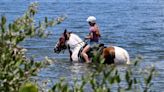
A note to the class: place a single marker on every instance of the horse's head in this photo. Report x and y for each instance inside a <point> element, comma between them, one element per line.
<point>61,44</point>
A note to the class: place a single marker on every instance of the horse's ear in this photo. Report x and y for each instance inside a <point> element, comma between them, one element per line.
<point>65,34</point>
<point>65,31</point>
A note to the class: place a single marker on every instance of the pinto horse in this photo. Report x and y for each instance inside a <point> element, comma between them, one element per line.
<point>74,44</point>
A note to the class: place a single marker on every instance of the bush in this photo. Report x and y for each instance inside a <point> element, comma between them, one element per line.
<point>15,67</point>
<point>109,78</point>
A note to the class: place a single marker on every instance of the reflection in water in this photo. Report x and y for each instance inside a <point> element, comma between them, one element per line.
<point>79,68</point>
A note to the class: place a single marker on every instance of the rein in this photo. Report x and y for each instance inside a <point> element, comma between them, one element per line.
<point>79,43</point>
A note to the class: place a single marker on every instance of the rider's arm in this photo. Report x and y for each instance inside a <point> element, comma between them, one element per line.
<point>90,36</point>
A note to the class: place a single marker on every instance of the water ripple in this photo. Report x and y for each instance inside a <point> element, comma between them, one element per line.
<point>137,26</point>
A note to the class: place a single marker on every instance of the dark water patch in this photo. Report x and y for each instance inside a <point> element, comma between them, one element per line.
<point>148,22</point>
<point>147,28</point>
<point>121,26</point>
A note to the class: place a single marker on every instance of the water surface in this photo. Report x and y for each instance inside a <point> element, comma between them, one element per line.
<point>135,25</point>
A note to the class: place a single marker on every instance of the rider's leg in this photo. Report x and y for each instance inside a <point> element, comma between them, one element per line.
<point>84,53</point>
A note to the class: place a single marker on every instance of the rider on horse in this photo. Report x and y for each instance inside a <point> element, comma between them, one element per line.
<point>93,36</point>
<point>75,45</point>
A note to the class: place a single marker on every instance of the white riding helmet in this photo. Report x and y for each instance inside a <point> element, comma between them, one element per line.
<point>91,19</point>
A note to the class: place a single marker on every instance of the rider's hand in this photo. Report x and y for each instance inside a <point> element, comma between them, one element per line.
<point>85,39</point>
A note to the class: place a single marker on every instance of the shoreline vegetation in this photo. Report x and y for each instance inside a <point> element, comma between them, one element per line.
<point>16,69</point>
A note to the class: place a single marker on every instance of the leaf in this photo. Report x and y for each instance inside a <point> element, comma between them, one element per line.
<point>127,76</point>
<point>129,85</point>
<point>118,80</point>
<point>21,73</point>
<point>38,64</point>
<point>148,80</point>
<point>54,88</point>
<point>46,20</point>
<point>2,24</point>
<point>135,81</point>
<point>3,19</point>
<point>111,80</point>
<point>28,87</point>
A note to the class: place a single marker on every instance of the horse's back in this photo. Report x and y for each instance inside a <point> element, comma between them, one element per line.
<point>116,55</point>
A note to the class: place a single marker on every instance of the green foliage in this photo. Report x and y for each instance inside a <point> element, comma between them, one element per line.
<point>15,67</point>
<point>60,87</point>
<point>106,78</point>
<point>28,87</point>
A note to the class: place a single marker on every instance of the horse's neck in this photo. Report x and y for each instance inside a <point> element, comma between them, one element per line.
<point>75,41</point>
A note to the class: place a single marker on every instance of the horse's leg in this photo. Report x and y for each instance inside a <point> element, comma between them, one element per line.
<point>75,53</point>
<point>109,55</point>
<point>70,53</point>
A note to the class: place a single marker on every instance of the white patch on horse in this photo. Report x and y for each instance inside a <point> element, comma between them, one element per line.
<point>75,43</point>
<point>121,56</point>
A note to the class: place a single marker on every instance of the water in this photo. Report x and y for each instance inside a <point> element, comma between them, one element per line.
<point>136,25</point>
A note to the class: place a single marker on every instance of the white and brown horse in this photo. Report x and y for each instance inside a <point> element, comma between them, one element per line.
<point>74,43</point>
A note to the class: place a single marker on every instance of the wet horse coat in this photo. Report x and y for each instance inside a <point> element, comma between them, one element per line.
<point>111,54</point>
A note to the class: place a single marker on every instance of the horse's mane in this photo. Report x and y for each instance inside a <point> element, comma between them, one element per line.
<point>70,32</point>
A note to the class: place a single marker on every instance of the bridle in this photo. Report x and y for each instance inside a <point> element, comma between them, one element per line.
<point>61,44</point>
<point>80,42</point>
